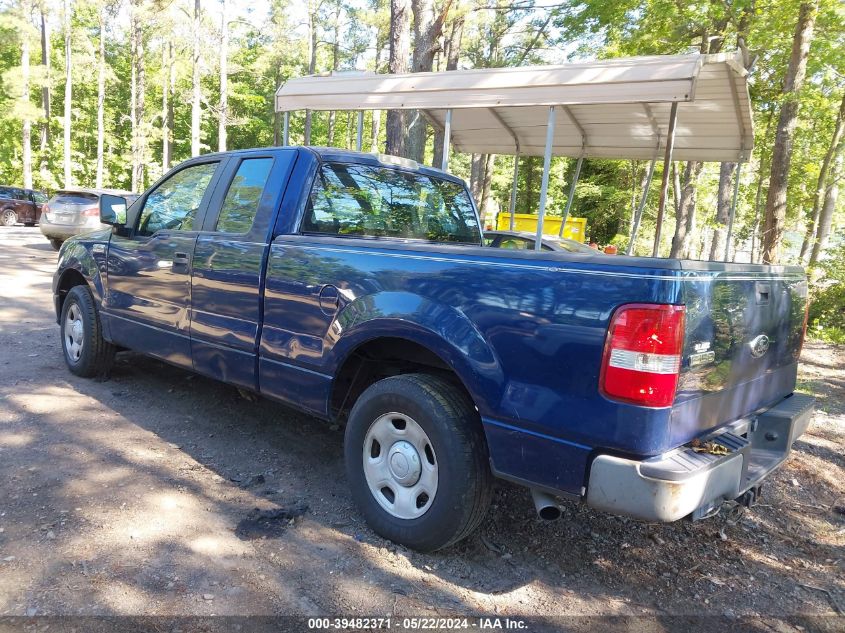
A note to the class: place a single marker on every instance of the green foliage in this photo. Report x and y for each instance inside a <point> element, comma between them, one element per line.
<point>827,299</point>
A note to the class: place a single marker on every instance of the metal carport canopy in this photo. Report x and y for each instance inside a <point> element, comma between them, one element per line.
<point>617,108</point>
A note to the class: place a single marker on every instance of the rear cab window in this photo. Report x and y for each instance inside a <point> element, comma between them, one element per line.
<point>373,201</point>
<point>240,206</point>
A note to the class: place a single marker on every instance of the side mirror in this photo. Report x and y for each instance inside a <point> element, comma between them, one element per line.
<point>113,210</point>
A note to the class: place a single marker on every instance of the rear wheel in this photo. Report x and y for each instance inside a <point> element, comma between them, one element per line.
<point>56,244</point>
<point>9,217</point>
<point>416,461</point>
<point>86,352</point>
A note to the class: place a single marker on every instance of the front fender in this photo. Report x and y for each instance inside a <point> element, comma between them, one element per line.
<point>86,257</point>
<point>442,329</point>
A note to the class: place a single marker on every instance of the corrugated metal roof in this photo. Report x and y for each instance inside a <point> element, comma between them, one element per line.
<point>617,108</point>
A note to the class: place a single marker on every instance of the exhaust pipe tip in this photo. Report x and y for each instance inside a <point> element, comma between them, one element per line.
<point>546,505</point>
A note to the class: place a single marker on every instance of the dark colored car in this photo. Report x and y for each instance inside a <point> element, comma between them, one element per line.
<point>73,211</point>
<point>523,241</point>
<point>20,205</point>
<point>357,288</point>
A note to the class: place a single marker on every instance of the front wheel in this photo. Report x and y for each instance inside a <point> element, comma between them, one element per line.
<point>416,461</point>
<point>9,217</point>
<point>86,352</point>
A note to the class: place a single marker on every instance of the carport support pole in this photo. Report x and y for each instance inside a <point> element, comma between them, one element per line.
<point>664,184</point>
<point>639,212</point>
<point>544,183</point>
<point>286,132</point>
<point>514,187</point>
<point>447,138</point>
<point>733,214</point>
<point>571,195</point>
<point>360,142</point>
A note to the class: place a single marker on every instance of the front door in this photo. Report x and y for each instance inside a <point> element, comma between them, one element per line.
<point>148,296</point>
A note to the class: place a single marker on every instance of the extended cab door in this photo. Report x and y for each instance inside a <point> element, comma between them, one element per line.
<point>229,266</point>
<point>149,268</point>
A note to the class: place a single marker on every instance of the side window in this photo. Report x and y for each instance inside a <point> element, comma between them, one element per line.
<point>174,203</point>
<point>241,203</point>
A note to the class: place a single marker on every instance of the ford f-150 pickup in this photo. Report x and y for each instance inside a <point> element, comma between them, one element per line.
<point>355,287</point>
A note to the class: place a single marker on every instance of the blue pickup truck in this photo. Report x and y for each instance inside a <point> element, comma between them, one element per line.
<point>355,287</point>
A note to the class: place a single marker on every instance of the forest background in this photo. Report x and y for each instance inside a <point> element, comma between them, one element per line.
<point>112,93</point>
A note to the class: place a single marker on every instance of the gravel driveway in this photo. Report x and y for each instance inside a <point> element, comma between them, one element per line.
<point>159,492</point>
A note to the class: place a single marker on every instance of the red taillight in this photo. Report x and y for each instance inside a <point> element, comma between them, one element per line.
<point>91,212</point>
<point>642,355</point>
<point>45,208</point>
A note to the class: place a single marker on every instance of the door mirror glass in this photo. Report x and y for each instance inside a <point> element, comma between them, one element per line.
<point>112,210</point>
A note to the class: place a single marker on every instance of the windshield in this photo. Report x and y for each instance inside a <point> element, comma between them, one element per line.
<point>365,200</point>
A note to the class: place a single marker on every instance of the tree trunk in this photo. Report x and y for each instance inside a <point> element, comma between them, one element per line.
<point>821,183</point>
<point>685,218</point>
<point>335,66</point>
<point>133,99</point>
<point>755,227</point>
<point>27,123</point>
<point>486,184</point>
<point>171,114</point>
<point>830,200</point>
<point>101,98</point>
<point>376,130</point>
<point>723,210</point>
<point>196,102</point>
<point>138,103</point>
<point>476,178</point>
<point>453,54</point>
<point>45,89</point>
<point>400,44</point>
<point>428,27</point>
<point>312,63</point>
<point>166,104</point>
<point>68,7</point>
<point>782,152</point>
<point>224,77</point>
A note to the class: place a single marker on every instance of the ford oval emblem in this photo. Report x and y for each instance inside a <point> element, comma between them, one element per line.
<point>759,346</point>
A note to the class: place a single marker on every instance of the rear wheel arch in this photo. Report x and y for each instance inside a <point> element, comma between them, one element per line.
<point>381,357</point>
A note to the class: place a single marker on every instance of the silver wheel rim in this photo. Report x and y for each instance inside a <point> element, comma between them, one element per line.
<point>400,466</point>
<point>74,333</point>
<point>9,218</point>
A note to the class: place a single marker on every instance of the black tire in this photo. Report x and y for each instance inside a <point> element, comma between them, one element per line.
<point>29,224</point>
<point>96,355</point>
<point>450,421</point>
<point>8,217</point>
<point>56,244</point>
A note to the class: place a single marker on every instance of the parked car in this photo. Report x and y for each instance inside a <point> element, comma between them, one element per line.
<point>73,211</point>
<point>524,241</point>
<point>356,288</point>
<point>20,205</point>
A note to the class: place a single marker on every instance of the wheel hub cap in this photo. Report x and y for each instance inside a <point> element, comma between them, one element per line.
<point>404,463</point>
<point>400,466</point>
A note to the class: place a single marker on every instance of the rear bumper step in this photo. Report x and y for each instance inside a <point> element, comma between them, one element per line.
<point>685,482</point>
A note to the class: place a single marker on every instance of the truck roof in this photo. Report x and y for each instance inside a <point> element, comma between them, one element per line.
<point>336,155</point>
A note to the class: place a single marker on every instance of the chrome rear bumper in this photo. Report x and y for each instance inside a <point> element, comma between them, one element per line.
<point>684,482</point>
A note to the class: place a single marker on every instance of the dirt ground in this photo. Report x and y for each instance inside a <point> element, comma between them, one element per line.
<point>159,492</point>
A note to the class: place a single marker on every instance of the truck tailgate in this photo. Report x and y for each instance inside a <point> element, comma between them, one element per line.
<point>744,330</point>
